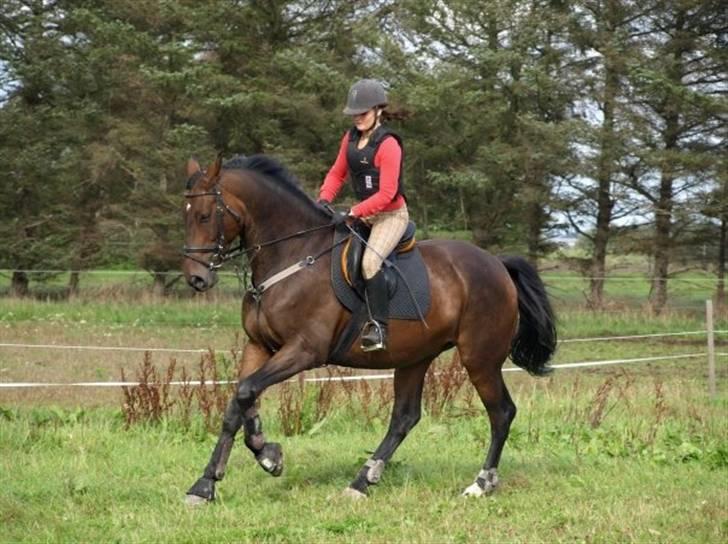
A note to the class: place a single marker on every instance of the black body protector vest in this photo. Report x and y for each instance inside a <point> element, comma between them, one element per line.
<point>363,174</point>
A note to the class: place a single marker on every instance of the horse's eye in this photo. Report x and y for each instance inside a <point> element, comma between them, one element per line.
<point>204,218</point>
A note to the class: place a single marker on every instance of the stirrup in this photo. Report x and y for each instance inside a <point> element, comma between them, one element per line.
<point>378,344</point>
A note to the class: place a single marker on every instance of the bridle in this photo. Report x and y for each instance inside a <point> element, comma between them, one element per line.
<point>219,254</point>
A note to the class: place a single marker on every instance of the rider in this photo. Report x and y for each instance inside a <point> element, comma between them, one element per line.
<point>371,156</point>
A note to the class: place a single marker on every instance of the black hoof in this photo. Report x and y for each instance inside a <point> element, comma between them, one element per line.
<point>360,484</point>
<point>271,458</point>
<point>203,488</point>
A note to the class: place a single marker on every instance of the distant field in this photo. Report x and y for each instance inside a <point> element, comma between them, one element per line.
<point>213,322</point>
<point>626,286</point>
<point>200,324</point>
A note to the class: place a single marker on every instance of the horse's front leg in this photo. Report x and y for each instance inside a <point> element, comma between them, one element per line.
<point>254,356</point>
<point>408,384</point>
<point>289,361</point>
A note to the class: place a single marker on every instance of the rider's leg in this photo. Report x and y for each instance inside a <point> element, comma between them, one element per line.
<point>387,231</point>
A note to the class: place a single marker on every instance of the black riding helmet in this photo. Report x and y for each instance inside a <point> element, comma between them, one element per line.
<point>364,95</point>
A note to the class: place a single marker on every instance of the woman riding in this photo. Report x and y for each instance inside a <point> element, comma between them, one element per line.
<point>371,156</point>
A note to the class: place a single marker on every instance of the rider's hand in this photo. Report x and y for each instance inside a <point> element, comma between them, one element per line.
<point>340,218</point>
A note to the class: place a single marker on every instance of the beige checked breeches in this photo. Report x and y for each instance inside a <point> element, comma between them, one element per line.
<point>387,230</point>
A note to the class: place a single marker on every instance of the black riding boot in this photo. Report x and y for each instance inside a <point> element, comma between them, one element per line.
<point>374,335</point>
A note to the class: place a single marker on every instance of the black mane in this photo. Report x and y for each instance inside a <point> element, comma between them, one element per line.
<point>271,169</point>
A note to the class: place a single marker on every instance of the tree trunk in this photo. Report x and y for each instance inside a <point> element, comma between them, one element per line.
<point>19,284</point>
<point>535,223</point>
<point>159,287</point>
<point>605,203</point>
<point>73,284</point>
<point>720,298</point>
<point>661,259</point>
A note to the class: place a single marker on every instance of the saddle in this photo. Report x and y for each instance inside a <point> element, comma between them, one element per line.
<point>409,296</point>
<point>353,252</point>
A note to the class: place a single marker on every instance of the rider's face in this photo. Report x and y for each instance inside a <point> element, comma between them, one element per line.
<point>365,121</point>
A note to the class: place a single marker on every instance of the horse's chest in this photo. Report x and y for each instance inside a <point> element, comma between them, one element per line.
<point>264,325</point>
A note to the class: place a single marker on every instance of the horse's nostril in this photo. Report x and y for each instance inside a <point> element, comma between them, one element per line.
<point>198,283</point>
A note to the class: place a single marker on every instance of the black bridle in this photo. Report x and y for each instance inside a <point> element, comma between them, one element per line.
<point>219,254</point>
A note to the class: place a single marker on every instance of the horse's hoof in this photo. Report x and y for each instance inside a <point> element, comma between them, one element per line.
<point>202,491</point>
<point>485,483</point>
<point>194,500</point>
<point>353,494</point>
<point>271,458</point>
<point>473,490</point>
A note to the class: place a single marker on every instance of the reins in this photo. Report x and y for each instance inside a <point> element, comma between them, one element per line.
<point>260,246</point>
<point>220,255</point>
<point>310,260</point>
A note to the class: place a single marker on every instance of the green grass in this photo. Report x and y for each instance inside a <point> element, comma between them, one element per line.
<point>650,471</point>
<point>172,312</point>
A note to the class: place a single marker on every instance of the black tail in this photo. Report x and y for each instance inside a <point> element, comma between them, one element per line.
<point>535,341</point>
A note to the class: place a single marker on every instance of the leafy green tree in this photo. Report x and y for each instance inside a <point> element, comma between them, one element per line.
<point>678,110</point>
<point>605,32</point>
<point>38,143</point>
<point>715,211</point>
<point>138,86</point>
<point>496,114</point>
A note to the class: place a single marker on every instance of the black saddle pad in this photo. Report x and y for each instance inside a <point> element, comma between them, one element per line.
<point>401,304</point>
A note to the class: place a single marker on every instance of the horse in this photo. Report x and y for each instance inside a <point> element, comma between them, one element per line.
<point>487,307</point>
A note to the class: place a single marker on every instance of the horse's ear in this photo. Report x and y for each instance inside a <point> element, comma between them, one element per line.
<point>215,167</point>
<point>213,171</point>
<point>192,167</point>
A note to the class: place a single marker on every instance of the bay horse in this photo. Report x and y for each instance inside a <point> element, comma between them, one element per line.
<point>489,308</point>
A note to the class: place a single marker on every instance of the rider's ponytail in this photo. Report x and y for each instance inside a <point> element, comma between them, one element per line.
<point>395,114</point>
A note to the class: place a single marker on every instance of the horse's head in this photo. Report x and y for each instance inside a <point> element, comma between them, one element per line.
<point>210,225</point>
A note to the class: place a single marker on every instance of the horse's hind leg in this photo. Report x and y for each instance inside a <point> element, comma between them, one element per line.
<point>204,489</point>
<point>487,378</point>
<point>408,384</point>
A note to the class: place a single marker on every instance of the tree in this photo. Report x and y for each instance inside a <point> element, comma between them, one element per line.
<point>676,96</point>
<point>716,212</point>
<point>606,33</point>
<point>496,114</point>
<point>129,89</point>
<point>37,144</point>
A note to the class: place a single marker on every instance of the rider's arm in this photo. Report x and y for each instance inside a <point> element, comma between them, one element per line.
<point>388,159</point>
<point>337,175</point>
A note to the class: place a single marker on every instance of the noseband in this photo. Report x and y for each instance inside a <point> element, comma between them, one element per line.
<point>219,254</point>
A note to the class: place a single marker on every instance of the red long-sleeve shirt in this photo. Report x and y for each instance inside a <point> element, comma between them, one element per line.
<point>387,160</point>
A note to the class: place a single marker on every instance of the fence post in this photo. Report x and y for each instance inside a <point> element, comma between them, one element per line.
<point>711,347</point>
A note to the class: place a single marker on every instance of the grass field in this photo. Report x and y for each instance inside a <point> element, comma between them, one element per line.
<point>643,466</point>
<point>636,453</point>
